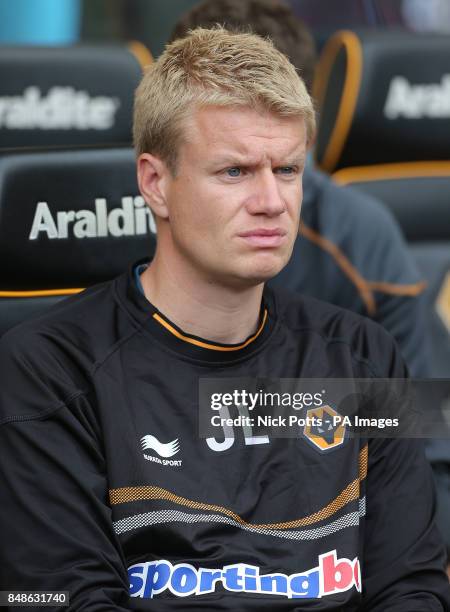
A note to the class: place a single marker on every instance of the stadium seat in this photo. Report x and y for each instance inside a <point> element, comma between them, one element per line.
<point>384,103</point>
<point>70,210</point>
<point>68,219</point>
<point>68,96</point>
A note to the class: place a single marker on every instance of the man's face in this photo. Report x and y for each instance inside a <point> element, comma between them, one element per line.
<point>234,204</point>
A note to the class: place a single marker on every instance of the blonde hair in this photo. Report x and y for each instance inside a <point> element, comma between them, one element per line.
<point>213,67</point>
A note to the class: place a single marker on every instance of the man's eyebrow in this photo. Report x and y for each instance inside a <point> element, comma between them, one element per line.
<point>295,160</point>
<point>243,160</point>
<point>233,159</point>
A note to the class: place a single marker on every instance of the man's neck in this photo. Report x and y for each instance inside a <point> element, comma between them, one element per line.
<point>201,308</point>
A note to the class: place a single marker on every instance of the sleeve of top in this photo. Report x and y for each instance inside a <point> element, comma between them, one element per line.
<point>380,254</point>
<point>404,316</point>
<point>55,523</point>
<point>404,557</point>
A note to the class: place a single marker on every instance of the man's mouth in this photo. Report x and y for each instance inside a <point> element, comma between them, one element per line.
<point>264,238</point>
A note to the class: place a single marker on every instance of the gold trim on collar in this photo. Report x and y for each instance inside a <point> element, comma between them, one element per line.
<point>208,345</point>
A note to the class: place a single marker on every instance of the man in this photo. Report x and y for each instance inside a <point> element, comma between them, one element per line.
<point>100,457</point>
<point>349,251</point>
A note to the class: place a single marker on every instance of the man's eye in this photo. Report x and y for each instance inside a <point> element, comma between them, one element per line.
<point>234,171</point>
<point>286,170</point>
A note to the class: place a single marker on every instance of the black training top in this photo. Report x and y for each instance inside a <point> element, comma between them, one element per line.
<point>102,469</point>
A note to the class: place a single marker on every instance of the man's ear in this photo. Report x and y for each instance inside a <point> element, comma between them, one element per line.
<point>152,175</point>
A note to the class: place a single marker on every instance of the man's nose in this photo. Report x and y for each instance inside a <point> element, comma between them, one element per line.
<point>266,197</point>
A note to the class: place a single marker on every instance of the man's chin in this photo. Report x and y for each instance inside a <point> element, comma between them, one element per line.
<point>263,272</point>
<point>251,271</point>
<point>270,264</point>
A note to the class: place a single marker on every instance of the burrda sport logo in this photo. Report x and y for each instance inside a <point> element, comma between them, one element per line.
<point>62,108</point>
<point>164,450</point>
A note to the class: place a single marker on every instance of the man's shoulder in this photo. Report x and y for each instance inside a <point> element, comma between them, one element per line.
<point>50,361</point>
<point>79,328</point>
<point>329,324</point>
<point>297,309</point>
<point>78,310</point>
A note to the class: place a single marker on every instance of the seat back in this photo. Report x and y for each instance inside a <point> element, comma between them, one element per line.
<point>384,103</point>
<point>68,96</point>
<point>70,210</point>
<point>68,219</point>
